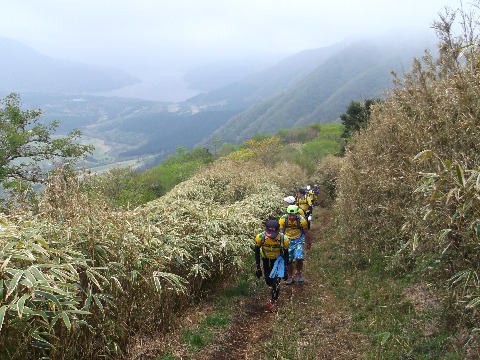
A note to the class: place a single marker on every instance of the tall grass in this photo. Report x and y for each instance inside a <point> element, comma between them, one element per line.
<point>408,190</point>
<point>80,278</point>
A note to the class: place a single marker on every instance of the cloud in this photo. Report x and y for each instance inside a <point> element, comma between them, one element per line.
<point>145,34</point>
<point>273,25</point>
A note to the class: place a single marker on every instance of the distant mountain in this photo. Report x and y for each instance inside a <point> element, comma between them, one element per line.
<point>23,69</point>
<point>199,117</point>
<point>314,85</point>
<point>355,71</point>
<point>266,83</point>
<point>209,77</point>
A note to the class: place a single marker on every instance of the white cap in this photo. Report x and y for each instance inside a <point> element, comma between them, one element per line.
<point>308,187</point>
<point>289,199</point>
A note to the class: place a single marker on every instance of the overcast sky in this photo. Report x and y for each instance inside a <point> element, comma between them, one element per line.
<point>171,36</point>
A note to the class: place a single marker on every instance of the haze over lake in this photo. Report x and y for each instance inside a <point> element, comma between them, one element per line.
<point>160,85</point>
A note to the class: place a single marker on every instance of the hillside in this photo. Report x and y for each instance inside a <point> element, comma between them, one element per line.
<point>314,85</point>
<point>266,83</point>
<point>393,272</point>
<point>236,324</point>
<point>359,71</point>
<point>212,76</point>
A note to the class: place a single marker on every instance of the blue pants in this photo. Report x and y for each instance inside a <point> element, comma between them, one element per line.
<point>296,249</point>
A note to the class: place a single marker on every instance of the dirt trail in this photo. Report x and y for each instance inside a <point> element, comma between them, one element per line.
<point>241,338</point>
<point>324,330</point>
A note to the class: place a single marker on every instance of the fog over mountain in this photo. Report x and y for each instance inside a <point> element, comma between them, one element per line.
<point>162,42</point>
<point>22,69</point>
<point>314,85</point>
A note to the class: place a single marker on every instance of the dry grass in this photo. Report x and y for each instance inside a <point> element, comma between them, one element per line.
<point>409,186</point>
<point>134,270</point>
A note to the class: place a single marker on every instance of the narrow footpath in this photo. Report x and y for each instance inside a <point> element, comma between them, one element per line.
<point>307,323</point>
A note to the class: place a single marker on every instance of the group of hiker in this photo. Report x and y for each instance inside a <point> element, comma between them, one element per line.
<point>280,248</point>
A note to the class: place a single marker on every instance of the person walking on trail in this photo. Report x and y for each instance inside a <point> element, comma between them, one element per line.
<point>305,203</point>
<point>290,200</point>
<point>271,247</point>
<point>295,227</point>
<point>309,192</point>
<point>316,192</point>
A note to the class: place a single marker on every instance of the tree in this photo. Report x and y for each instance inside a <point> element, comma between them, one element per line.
<point>25,143</point>
<point>356,117</point>
<point>215,143</point>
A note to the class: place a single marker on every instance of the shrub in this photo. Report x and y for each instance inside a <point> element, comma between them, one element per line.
<point>326,176</point>
<point>82,277</point>
<point>423,215</point>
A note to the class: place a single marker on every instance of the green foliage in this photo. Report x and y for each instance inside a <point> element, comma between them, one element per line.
<point>326,177</point>
<point>357,116</point>
<point>44,282</point>
<point>308,145</point>
<point>304,146</point>
<point>319,140</point>
<point>179,167</point>
<point>385,315</point>
<point>125,186</point>
<point>317,149</point>
<point>205,333</point>
<point>127,270</point>
<point>331,131</point>
<point>227,149</point>
<point>259,138</point>
<point>300,134</point>
<point>128,188</point>
<point>25,144</point>
<point>453,211</point>
<point>266,150</point>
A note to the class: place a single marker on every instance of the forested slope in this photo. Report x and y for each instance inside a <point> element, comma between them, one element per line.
<point>358,71</point>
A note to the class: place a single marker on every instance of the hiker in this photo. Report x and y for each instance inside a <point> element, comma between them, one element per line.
<point>315,192</point>
<point>308,192</point>
<point>290,200</point>
<point>272,247</point>
<point>295,227</point>
<point>305,203</point>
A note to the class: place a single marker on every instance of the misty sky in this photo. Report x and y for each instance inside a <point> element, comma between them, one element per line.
<point>155,39</point>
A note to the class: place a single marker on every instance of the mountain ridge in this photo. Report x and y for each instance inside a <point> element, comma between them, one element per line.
<point>358,70</point>
<point>314,85</point>
<point>270,81</point>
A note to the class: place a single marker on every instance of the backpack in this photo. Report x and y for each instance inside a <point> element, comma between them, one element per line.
<point>262,236</point>
<point>303,201</point>
<point>285,217</point>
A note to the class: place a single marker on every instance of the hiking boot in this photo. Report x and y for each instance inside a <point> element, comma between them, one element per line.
<point>300,278</point>
<point>289,281</point>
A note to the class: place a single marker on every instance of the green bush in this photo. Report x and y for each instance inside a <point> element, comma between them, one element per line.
<point>128,188</point>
